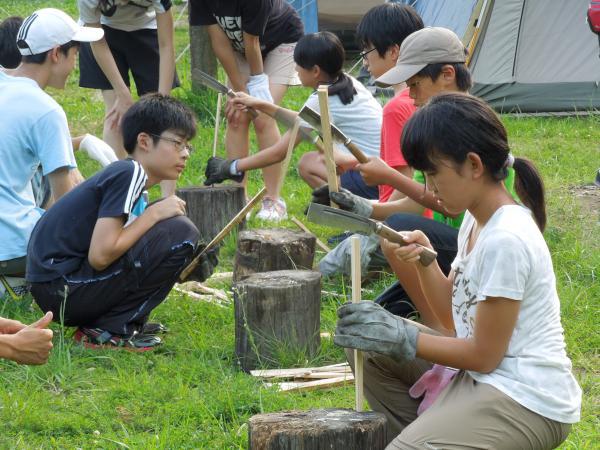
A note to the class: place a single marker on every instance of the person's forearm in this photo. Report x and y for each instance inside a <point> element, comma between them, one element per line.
<point>76,141</point>
<point>437,289</point>
<point>454,352</point>
<point>6,349</point>
<point>225,54</point>
<point>166,50</point>
<point>108,65</point>
<point>268,156</point>
<point>253,54</point>
<point>126,239</point>
<point>382,211</point>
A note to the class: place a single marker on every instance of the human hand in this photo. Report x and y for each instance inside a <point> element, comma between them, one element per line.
<point>344,162</point>
<point>375,172</point>
<point>410,253</point>
<point>9,326</point>
<point>32,344</point>
<point>206,265</point>
<point>219,170</point>
<point>430,385</point>
<point>232,113</point>
<point>122,103</point>
<point>243,101</point>
<point>368,327</point>
<point>258,86</point>
<point>166,208</point>
<point>98,150</point>
<point>348,201</point>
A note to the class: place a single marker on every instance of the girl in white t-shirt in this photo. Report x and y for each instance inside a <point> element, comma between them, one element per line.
<point>319,59</point>
<point>514,389</point>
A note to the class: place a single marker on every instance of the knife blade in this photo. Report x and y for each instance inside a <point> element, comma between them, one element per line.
<point>338,218</point>
<point>313,118</point>
<point>216,85</point>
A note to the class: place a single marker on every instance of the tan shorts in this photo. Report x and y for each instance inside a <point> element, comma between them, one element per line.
<point>279,65</point>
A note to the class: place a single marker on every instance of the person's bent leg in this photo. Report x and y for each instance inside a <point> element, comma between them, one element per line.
<point>386,385</point>
<point>312,169</point>
<point>470,414</point>
<point>112,135</point>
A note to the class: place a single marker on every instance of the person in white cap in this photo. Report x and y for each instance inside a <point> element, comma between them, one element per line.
<point>34,127</point>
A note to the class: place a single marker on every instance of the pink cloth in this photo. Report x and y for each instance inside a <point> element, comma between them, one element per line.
<point>431,383</point>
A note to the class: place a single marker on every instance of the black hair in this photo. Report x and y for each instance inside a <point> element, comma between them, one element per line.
<point>387,24</point>
<point>450,126</point>
<point>10,56</point>
<point>154,114</point>
<point>40,58</point>
<point>462,73</point>
<point>325,50</point>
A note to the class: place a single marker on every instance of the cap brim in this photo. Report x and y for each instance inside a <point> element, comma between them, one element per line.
<point>399,74</point>
<point>88,34</point>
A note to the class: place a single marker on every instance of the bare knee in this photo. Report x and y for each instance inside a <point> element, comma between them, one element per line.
<point>307,163</point>
<point>263,124</point>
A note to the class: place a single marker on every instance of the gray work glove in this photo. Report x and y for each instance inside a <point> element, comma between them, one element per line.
<point>367,326</point>
<point>345,199</point>
<point>219,170</point>
<point>206,265</point>
<point>339,260</point>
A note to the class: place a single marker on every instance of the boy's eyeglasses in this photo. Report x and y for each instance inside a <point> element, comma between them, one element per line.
<point>364,53</point>
<point>180,146</point>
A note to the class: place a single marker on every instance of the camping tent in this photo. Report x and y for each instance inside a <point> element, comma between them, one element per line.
<point>528,55</point>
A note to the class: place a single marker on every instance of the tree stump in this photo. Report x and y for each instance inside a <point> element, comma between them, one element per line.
<point>265,250</point>
<point>276,312</point>
<point>202,56</point>
<point>212,207</point>
<point>321,429</point>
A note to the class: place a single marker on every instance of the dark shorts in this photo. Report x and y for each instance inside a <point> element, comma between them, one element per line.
<point>352,181</point>
<point>133,51</point>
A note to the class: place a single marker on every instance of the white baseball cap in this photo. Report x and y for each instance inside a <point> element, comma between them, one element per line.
<point>48,28</point>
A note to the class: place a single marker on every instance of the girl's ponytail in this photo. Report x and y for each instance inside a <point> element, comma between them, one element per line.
<point>344,88</point>
<point>530,189</point>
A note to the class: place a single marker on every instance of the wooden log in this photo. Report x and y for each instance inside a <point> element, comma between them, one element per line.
<point>274,312</point>
<point>304,228</point>
<point>321,429</point>
<point>212,207</point>
<point>202,55</point>
<point>264,250</point>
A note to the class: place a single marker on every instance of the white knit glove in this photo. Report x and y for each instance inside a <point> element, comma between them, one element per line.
<point>258,86</point>
<point>98,150</point>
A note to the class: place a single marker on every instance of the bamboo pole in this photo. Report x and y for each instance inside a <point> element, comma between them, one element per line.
<point>332,178</point>
<point>217,124</point>
<point>356,295</point>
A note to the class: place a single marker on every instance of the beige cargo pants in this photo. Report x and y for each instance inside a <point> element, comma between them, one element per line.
<point>466,415</point>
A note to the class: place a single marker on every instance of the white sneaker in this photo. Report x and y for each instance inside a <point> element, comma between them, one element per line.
<point>272,210</point>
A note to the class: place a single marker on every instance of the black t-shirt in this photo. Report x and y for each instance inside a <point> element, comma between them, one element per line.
<point>60,241</point>
<point>275,22</point>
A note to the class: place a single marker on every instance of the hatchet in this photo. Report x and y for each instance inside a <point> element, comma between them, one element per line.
<point>338,218</point>
<point>313,118</point>
<point>284,117</point>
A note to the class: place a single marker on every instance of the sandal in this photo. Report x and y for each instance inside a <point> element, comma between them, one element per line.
<point>102,339</point>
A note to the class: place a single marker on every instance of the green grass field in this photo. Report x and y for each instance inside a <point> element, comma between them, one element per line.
<point>189,394</point>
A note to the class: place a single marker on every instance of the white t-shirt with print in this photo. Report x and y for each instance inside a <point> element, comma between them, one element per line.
<point>124,15</point>
<point>360,120</point>
<point>510,259</point>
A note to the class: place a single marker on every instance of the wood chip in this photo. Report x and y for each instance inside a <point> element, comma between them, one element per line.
<point>194,286</point>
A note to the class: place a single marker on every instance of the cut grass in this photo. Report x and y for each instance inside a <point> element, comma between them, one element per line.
<point>190,392</point>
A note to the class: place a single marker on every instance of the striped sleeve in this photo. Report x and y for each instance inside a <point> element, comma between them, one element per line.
<point>119,187</point>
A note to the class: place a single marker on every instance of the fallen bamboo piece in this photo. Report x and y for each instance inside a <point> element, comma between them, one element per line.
<point>195,286</point>
<point>196,296</point>
<point>332,178</point>
<point>304,228</point>
<point>290,373</point>
<point>224,232</point>
<point>356,297</point>
<point>217,124</point>
<point>321,375</point>
<point>220,276</point>
<point>313,385</point>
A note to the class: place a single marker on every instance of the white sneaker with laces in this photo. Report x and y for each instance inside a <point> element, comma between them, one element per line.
<point>272,210</point>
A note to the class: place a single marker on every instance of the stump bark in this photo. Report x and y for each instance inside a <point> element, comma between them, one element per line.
<point>322,429</point>
<point>211,208</point>
<point>276,312</point>
<point>273,249</point>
